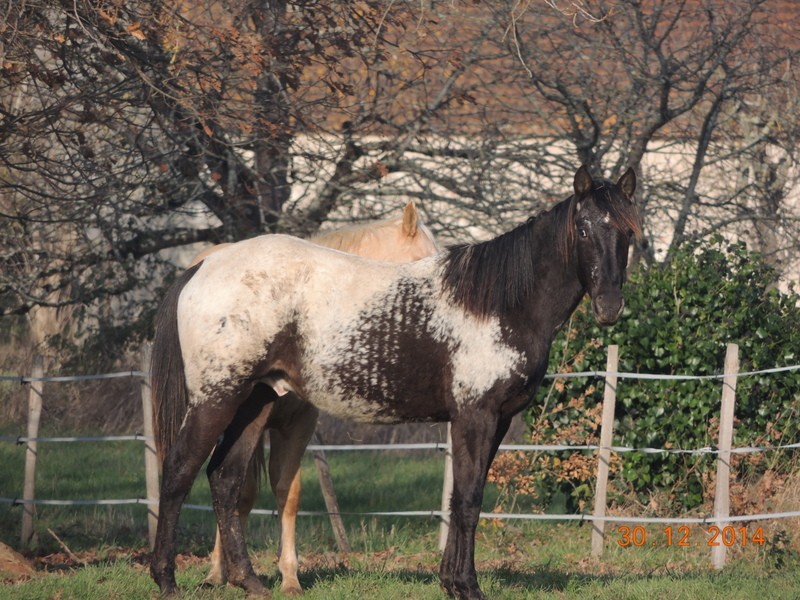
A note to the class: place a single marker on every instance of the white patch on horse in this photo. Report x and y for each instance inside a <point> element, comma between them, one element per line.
<point>479,357</point>
<point>229,312</point>
<point>220,320</point>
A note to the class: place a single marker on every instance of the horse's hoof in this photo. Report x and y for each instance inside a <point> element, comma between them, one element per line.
<point>475,594</point>
<point>260,594</point>
<point>167,585</point>
<point>291,589</point>
<point>254,588</point>
<point>462,592</point>
<point>213,581</point>
<point>169,591</point>
<point>162,572</point>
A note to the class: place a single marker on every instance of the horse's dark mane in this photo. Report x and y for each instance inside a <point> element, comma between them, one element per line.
<point>498,275</point>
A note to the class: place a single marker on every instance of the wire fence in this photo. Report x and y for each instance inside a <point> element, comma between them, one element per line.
<point>443,447</point>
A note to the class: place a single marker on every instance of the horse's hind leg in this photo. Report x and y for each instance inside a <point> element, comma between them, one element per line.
<point>292,424</point>
<point>216,572</point>
<point>227,471</point>
<point>247,499</point>
<point>198,434</point>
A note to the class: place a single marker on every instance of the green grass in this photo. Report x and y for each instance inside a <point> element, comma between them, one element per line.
<point>392,557</point>
<point>364,482</point>
<point>554,564</point>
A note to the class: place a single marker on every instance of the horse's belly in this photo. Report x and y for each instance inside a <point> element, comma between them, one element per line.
<point>352,408</point>
<point>371,396</point>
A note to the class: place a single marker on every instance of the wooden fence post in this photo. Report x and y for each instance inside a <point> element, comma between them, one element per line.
<point>34,415</point>
<point>722,491</point>
<point>150,454</point>
<point>604,453</point>
<point>329,495</point>
<point>447,491</point>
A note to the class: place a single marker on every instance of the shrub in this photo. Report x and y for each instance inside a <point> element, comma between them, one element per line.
<point>678,319</point>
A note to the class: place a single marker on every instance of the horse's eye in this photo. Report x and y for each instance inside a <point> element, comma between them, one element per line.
<point>582,232</point>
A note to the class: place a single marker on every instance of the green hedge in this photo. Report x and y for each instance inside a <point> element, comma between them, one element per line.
<point>678,319</point>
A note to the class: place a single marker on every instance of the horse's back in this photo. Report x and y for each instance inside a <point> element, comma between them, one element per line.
<point>272,270</point>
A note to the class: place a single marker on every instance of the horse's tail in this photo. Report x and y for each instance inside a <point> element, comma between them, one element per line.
<point>167,380</point>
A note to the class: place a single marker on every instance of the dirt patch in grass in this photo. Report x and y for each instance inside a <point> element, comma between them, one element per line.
<point>14,566</point>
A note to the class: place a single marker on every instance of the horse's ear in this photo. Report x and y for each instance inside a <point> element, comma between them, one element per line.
<point>410,219</point>
<point>627,183</point>
<point>582,182</point>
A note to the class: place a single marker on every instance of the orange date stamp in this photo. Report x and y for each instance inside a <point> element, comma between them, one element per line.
<point>683,536</point>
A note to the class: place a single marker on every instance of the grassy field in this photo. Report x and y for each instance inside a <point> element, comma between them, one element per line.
<point>391,558</point>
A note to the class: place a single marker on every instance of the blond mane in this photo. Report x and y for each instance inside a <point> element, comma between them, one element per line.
<point>396,239</point>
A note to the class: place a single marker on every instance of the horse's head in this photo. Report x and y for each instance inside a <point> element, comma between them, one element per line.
<point>605,220</point>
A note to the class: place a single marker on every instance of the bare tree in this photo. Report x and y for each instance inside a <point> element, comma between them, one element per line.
<point>130,130</point>
<point>660,84</point>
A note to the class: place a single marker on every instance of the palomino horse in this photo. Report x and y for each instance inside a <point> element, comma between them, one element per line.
<point>292,420</point>
<point>463,336</point>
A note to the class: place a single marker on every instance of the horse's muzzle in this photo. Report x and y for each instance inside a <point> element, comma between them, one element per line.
<point>607,308</point>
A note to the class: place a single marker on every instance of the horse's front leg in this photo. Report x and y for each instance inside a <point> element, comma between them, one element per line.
<point>292,424</point>
<point>475,439</point>
<point>227,471</point>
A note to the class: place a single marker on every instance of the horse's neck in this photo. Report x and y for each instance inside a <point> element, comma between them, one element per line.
<point>557,289</point>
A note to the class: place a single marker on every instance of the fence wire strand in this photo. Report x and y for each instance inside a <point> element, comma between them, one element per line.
<point>590,374</point>
<point>431,514</point>
<point>440,446</point>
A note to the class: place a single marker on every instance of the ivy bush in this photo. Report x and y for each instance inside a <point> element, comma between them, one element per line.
<point>678,319</point>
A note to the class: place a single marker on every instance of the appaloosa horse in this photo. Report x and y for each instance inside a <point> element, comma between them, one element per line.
<point>463,336</point>
<point>292,421</point>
